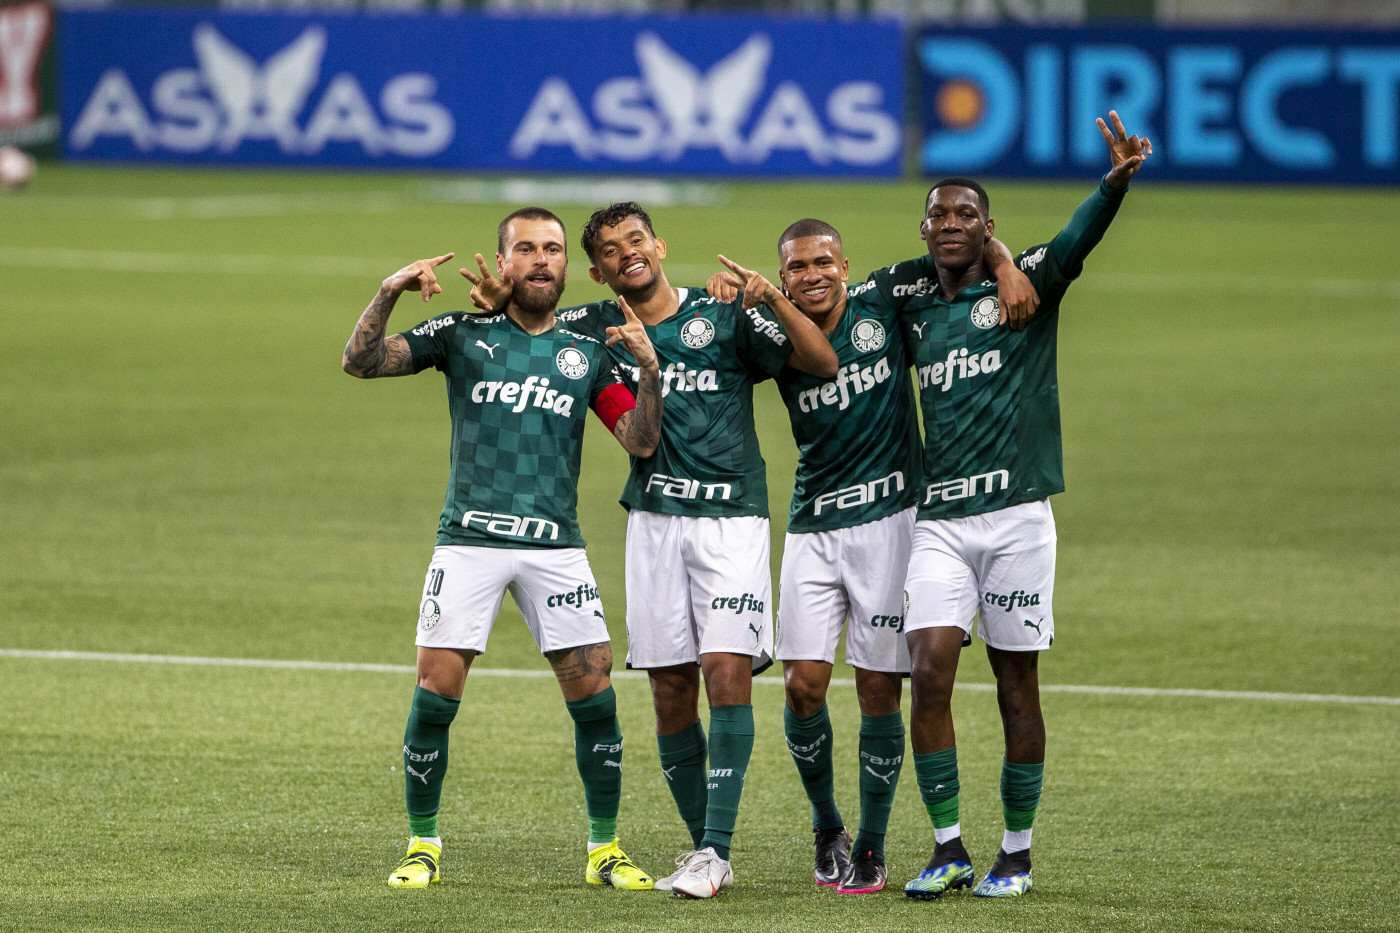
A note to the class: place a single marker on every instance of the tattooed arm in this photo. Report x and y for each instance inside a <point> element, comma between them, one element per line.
<point>639,430</point>
<point>369,354</point>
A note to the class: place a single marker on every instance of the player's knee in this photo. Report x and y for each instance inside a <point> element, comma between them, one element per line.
<point>930,681</point>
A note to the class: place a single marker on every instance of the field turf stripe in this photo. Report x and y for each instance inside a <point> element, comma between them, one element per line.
<point>1264,695</point>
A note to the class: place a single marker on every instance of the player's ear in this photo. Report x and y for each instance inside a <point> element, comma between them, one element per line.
<point>923,229</point>
<point>595,275</point>
<point>660,248</point>
<point>991,226</point>
<point>845,270</point>
<point>500,265</point>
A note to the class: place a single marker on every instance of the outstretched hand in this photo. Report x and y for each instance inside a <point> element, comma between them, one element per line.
<point>1127,152</point>
<point>416,277</point>
<point>489,293</point>
<point>756,289</point>
<point>634,335</point>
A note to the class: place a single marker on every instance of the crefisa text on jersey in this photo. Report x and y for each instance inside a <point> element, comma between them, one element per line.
<point>518,395</point>
<point>838,391</point>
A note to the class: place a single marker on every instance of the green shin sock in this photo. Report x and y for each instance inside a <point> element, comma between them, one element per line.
<point>937,774</point>
<point>809,740</point>
<point>598,754</point>
<point>1020,794</point>
<point>731,744</point>
<point>881,759</point>
<point>683,764</point>
<point>425,758</point>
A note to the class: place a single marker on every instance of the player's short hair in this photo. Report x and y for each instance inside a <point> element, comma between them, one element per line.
<point>957,181</point>
<point>527,213</point>
<point>809,226</point>
<point>611,216</point>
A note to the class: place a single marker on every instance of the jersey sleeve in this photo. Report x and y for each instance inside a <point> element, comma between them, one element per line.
<point>610,397</point>
<point>430,340</point>
<point>903,281</point>
<point>762,342</point>
<point>1084,230</point>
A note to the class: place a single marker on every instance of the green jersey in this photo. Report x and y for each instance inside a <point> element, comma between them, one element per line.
<point>711,354</point>
<point>857,434</point>
<point>518,404</point>
<point>989,395</point>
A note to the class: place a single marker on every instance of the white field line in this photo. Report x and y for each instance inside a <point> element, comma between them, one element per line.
<point>1268,696</point>
<point>34,257</point>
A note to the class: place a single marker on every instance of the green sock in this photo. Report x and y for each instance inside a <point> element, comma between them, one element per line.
<point>425,758</point>
<point>683,764</point>
<point>731,744</point>
<point>809,740</point>
<point>937,774</point>
<point>598,754</point>
<point>1020,794</point>
<point>881,758</point>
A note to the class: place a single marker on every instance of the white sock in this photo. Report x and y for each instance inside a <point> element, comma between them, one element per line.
<point>941,836</point>
<point>597,845</point>
<point>1015,842</point>
<point>435,840</point>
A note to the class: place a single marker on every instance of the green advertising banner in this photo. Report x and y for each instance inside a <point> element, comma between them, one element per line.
<point>28,85</point>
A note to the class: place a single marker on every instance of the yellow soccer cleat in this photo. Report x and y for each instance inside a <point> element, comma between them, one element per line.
<point>419,867</point>
<point>610,865</point>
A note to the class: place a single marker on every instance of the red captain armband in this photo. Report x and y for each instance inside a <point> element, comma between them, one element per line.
<point>614,402</point>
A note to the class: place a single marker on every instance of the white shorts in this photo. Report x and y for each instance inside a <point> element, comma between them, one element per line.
<point>554,588</point>
<point>856,572</point>
<point>1001,564</point>
<point>697,586</point>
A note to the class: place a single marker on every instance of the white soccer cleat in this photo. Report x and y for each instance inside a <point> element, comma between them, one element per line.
<point>705,875</point>
<point>682,862</point>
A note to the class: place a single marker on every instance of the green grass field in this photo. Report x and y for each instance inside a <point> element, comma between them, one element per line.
<point>186,471</point>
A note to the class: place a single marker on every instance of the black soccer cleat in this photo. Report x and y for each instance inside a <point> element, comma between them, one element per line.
<point>833,855</point>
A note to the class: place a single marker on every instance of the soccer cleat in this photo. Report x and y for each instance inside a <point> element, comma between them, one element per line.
<point>419,867</point>
<point>948,870</point>
<point>833,855</point>
<point>1010,876</point>
<point>682,862</point>
<point>610,865</point>
<point>866,875</point>
<point>705,875</point>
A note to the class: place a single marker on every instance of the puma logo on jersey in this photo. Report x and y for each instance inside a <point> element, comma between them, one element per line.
<point>491,350</point>
<point>850,381</point>
<point>919,329</point>
<point>959,365</point>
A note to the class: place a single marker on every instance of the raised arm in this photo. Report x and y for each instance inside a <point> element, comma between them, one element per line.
<point>639,430</point>
<point>1015,293</point>
<point>369,354</point>
<point>1091,219</point>
<point>811,351</point>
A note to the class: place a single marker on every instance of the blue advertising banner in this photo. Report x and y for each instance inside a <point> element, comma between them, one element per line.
<point>1261,105</point>
<point>711,96</point>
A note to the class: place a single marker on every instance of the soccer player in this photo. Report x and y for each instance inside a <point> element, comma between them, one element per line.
<point>850,527</point>
<point>698,583</point>
<point>984,542</point>
<point>519,385</point>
